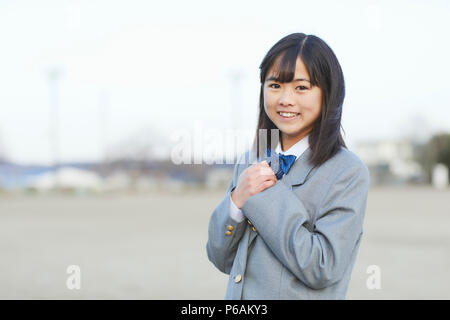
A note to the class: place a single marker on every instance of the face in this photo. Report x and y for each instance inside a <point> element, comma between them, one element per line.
<point>292,106</point>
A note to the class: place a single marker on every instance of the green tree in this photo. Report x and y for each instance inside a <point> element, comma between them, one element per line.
<point>436,150</point>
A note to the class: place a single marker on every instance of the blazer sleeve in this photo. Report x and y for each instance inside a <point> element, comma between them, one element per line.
<point>319,255</point>
<point>221,247</point>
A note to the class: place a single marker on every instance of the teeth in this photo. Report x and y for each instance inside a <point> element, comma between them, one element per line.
<point>287,114</point>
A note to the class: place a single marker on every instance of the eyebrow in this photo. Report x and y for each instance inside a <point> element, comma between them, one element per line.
<point>272,78</point>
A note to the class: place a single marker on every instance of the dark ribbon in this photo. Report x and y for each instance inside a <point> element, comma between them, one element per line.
<point>285,162</point>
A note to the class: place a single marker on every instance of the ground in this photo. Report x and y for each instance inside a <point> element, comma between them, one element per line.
<point>152,246</point>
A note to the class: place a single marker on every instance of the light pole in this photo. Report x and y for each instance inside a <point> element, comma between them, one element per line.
<point>54,74</point>
<point>103,114</point>
<point>236,96</point>
<point>236,76</point>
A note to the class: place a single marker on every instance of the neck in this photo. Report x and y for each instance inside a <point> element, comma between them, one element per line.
<point>288,141</point>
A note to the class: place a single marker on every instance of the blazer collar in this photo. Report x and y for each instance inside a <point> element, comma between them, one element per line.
<point>300,170</point>
<point>297,149</point>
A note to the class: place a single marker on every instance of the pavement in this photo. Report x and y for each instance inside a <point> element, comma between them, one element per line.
<point>152,246</point>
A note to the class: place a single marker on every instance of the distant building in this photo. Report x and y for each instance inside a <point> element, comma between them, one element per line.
<point>219,178</point>
<point>390,161</point>
<point>68,178</point>
<point>16,177</point>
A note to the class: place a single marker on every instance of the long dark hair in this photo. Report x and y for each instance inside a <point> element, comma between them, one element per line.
<point>325,72</point>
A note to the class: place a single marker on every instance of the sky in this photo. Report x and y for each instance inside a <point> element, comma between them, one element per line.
<point>133,73</point>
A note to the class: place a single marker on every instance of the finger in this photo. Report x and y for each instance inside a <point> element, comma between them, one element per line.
<point>264,163</point>
<point>272,177</point>
<point>265,185</point>
<point>256,166</point>
<point>259,169</point>
<point>266,171</point>
<point>264,178</point>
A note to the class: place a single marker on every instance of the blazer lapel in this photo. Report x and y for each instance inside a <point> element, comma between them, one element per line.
<point>296,176</point>
<point>300,170</point>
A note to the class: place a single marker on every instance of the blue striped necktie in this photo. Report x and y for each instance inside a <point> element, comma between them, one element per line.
<point>285,163</point>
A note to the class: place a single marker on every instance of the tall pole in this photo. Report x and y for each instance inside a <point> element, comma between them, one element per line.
<point>236,95</point>
<point>103,126</point>
<point>236,104</point>
<point>54,75</point>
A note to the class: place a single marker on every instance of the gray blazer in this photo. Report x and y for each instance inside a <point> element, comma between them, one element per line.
<point>301,236</point>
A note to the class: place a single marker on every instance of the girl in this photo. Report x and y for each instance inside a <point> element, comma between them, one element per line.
<point>289,227</point>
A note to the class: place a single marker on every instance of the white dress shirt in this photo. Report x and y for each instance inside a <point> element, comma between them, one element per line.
<point>297,150</point>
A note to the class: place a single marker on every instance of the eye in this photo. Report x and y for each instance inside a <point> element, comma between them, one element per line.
<point>274,84</point>
<point>302,88</point>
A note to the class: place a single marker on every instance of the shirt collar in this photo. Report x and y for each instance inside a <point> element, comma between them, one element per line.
<point>297,149</point>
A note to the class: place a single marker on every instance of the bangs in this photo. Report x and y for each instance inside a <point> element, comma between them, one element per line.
<point>284,65</point>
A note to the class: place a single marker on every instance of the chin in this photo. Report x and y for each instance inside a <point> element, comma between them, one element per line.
<point>291,132</point>
<point>289,129</point>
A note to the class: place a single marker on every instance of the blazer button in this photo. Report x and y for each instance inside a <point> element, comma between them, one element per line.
<point>254,229</point>
<point>228,233</point>
<point>237,278</point>
<point>249,222</point>
<point>230,227</point>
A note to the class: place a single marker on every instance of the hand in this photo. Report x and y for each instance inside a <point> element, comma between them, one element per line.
<point>254,179</point>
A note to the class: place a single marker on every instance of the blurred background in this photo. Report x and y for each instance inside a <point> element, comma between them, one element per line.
<point>120,122</point>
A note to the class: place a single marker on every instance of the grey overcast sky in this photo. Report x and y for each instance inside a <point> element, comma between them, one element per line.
<point>130,68</point>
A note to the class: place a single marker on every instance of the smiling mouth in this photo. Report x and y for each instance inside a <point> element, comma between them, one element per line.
<point>288,115</point>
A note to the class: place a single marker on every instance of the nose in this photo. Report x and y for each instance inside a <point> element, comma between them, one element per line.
<point>286,98</point>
